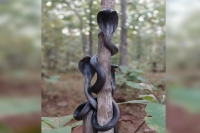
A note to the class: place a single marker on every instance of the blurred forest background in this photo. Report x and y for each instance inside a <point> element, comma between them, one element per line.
<point>70,31</point>
<point>67,29</point>
<point>20,80</point>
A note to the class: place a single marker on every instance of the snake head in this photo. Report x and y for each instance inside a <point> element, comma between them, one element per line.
<point>86,68</point>
<point>107,21</point>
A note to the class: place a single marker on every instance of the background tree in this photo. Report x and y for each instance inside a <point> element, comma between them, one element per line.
<point>90,29</point>
<point>123,46</point>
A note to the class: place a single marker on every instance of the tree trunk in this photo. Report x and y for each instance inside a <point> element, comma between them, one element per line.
<point>104,97</point>
<point>87,126</point>
<point>123,46</point>
<point>90,32</point>
<point>84,42</point>
<point>138,46</point>
<point>83,36</point>
<point>164,63</point>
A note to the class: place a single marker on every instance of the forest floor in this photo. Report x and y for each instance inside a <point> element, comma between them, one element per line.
<point>63,97</point>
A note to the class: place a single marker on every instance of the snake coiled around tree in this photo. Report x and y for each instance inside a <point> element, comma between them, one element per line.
<point>107,21</point>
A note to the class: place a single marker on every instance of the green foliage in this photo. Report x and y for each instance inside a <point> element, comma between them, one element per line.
<point>140,86</point>
<point>156,116</point>
<point>136,101</point>
<point>57,124</point>
<point>155,108</point>
<point>57,121</point>
<point>134,85</point>
<point>53,79</point>
<point>149,97</point>
<point>133,75</point>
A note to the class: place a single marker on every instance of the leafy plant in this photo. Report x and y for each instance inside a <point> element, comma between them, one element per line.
<point>53,79</point>
<point>155,108</point>
<point>57,124</point>
<point>135,75</point>
<point>156,116</point>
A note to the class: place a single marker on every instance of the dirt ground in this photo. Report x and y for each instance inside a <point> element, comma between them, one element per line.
<point>62,98</point>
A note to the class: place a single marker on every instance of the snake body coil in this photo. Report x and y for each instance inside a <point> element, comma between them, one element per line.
<point>107,21</point>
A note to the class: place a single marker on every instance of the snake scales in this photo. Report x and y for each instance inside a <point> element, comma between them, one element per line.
<point>107,21</point>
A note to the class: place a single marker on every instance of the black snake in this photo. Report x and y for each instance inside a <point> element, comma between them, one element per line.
<point>107,21</point>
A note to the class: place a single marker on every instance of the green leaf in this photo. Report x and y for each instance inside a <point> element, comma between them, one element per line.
<point>141,86</point>
<point>122,81</point>
<point>156,116</point>
<point>119,75</point>
<point>142,79</point>
<point>52,122</point>
<point>46,126</point>
<point>154,88</point>
<point>136,101</point>
<point>65,119</point>
<point>66,129</point>
<point>54,79</point>
<point>123,69</point>
<point>57,122</point>
<point>120,78</point>
<point>133,74</point>
<point>139,71</point>
<point>134,85</point>
<point>76,124</point>
<point>149,97</point>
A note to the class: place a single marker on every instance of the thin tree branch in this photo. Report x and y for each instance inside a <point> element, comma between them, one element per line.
<point>139,127</point>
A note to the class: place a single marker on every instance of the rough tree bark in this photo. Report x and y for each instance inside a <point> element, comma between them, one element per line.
<point>83,36</point>
<point>87,126</point>
<point>104,97</point>
<point>90,32</point>
<point>123,46</point>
